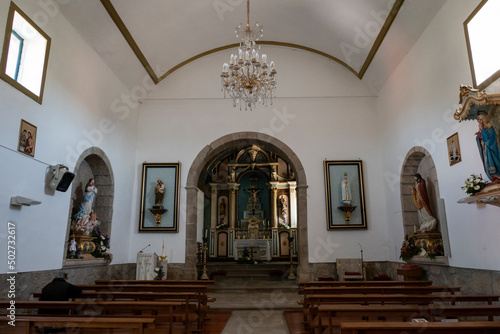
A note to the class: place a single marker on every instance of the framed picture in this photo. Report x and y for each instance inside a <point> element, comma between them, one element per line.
<point>345,197</point>
<point>454,154</point>
<point>159,211</point>
<point>27,138</point>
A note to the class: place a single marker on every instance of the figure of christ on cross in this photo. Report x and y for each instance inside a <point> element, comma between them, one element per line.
<point>253,192</point>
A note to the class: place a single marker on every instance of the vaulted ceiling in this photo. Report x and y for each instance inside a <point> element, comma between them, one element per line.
<point>157,37</point>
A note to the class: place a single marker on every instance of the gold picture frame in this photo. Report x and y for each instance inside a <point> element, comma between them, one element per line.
<point>454,153</point>
<point>27,138</point>
<point>160,212</point>
<point>345,198</point>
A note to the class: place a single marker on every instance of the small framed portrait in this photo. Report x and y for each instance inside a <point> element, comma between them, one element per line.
<point>345,198</point>
<point>27,138</point>
<point>159,211</point>
<point>454,154</point>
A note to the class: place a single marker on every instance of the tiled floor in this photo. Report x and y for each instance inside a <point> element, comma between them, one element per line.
<point>258,305</point>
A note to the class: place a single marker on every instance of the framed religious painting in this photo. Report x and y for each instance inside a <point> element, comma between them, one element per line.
<point>345,197</point>
<point>159,211</point>
<point>27,138</point>
<point>454,154</point>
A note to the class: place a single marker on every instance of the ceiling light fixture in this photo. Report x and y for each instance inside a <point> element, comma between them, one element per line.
<point>247,78</point>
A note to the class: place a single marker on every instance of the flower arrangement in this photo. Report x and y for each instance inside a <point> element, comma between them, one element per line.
<point>159,273</point>
<point>474,184</point>
<point>101,242</point>
<point>409,248</point>
<point>247,257</point>
<point>435,250</point>
<point>283,226</point>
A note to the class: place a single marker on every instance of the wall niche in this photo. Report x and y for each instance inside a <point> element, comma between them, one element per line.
<point>419,161</point>
<point>92,164</point>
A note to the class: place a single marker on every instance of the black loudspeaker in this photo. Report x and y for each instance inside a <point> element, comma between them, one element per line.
<point>61,177</point>
<point>65,182</point>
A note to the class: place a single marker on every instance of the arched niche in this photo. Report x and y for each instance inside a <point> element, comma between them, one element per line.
<point>198,171</point>
<point>419,160</point>
<point>92,163</point>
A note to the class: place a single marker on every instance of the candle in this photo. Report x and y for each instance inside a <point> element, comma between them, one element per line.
<point>163,248</point>
<point>264,58</point>
<point>414,228</point>
<point>206,233</point>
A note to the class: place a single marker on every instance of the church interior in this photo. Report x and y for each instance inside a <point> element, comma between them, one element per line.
<point>362,146</point>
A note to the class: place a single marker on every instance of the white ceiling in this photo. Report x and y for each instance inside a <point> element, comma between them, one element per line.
<point>170,32</point>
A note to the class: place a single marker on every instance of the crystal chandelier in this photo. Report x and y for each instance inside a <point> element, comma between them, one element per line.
<point>247,78</point>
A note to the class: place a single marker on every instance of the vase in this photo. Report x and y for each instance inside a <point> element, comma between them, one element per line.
<point>85,245</point>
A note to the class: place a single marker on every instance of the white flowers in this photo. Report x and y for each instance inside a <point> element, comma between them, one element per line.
<point>474,184</point>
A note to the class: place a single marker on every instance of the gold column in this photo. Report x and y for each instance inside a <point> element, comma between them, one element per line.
<point>213,219</point>
<point>232,203</point>
<point>274,204</point>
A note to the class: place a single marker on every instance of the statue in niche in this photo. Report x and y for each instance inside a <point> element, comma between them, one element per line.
<point>87,224</point>
<point>222,208</point>
<point>283,206</point>
<point>89,195</point>
<point>346,190</point>
<point>159,193</point>
<point>86,218</point>
<point>419,193</point>
<point>487,144</point>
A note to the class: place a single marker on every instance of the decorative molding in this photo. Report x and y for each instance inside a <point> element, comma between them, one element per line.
<point>470,97</point>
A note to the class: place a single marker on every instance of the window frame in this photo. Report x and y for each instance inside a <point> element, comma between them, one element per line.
<point>3,62</point>
<point>492,78</point>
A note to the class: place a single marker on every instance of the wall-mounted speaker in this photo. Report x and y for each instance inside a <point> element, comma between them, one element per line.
<point>61,177</point>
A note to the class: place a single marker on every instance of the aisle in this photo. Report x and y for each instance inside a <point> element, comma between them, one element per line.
<point>257,321</point>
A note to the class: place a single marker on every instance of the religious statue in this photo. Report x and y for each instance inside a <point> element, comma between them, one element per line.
<point>283,205</point>
<point>253,192</point>
<point>232,175</point>
<point>89,195</point>
<point>159,193</point>
<point>419,193</point>
<point>346,190</point>
<point>72,247</point>
<point>487,144</point>
<point>86,224</point>
<point>222,208</point>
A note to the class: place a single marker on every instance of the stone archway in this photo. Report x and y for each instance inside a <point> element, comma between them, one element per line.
<point>418,160</point>
<point>93,163</point>
<point>210,152</point>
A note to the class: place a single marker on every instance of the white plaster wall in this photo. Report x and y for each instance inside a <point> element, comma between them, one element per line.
<point>329,115</point>
<point>416,107</point>
<point>81,95</point>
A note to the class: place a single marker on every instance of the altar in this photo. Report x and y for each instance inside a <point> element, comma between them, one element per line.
<point>261,248</point>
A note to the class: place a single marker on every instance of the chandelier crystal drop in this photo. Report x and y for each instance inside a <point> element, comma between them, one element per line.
<point>248,79</point>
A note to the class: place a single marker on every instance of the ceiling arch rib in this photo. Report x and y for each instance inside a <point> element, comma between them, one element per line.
<point>128,36</point>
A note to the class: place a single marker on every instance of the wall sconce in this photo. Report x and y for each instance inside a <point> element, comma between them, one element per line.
<point>61,177</point>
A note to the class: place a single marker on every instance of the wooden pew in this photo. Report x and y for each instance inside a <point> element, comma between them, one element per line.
<point>201,290</point>
<point>332,315</point>
<point>364,283</point>
<point>161,311</point>
<point>193,299</point>
<point>313,301</point>
<point>26,324</point>
<point>404,290</point>
<point>464,327</point>
<point>166,282</point>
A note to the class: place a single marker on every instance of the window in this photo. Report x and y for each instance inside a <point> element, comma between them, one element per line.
<point>482,28</point>
<point>25,54</point>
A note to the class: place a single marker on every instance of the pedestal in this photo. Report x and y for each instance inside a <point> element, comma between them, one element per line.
<point>85,245</point>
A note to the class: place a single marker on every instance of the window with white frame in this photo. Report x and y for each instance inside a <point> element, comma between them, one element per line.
<point>25,54</point>
<point>482,29</point>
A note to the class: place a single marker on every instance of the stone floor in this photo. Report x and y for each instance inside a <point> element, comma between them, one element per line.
<point>256,298</point>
